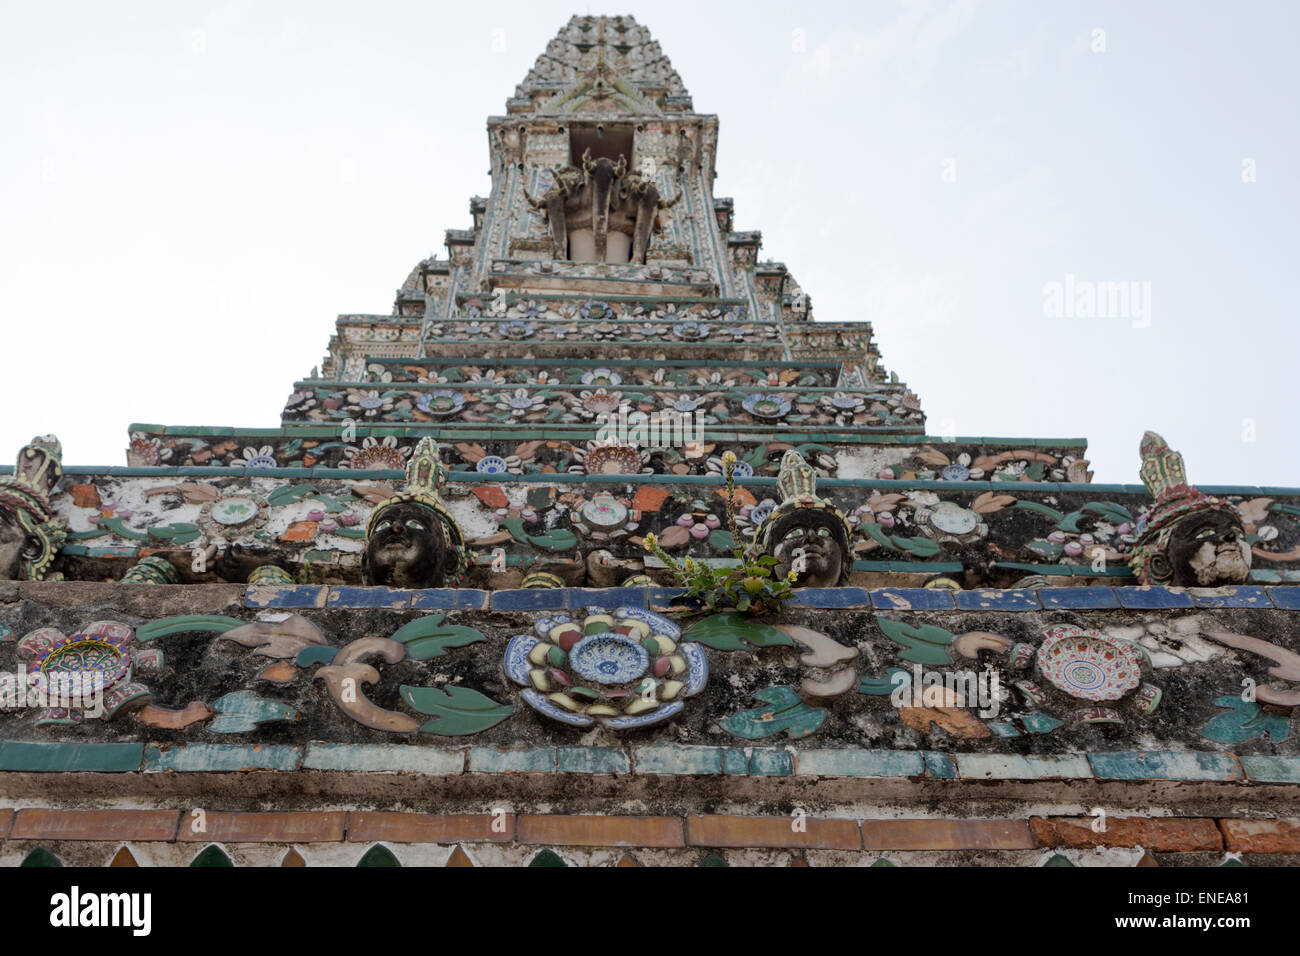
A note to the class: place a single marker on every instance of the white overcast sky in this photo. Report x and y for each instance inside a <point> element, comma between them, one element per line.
<point>191,192</point>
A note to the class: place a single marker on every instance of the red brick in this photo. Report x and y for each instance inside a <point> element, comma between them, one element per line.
<point>723,831</point>
<point>1262,836</point>
<point>115,825</point>
<point>1160,834</point>
<point>308,827</point>
<point>946,835</point>
<point>365,826</point>
<point>560,830</point>
<point>6,817</point>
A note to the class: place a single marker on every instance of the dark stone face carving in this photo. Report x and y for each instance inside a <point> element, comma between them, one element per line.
<point>407,549</point>
<point>1207,549</point>
<point>17,545</point>
<point>820,540</point>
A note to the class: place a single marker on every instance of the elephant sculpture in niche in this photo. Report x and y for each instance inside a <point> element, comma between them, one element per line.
<point>600,212</point>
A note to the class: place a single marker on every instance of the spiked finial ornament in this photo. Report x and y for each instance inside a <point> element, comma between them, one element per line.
<point>1165,476</point>
<point>27,495</point>
<point>1163,471</point>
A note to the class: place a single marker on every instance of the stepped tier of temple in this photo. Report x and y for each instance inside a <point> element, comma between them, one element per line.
<point>451,576</point>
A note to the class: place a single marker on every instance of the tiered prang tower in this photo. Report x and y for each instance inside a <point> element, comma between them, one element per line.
<point>432,617</point>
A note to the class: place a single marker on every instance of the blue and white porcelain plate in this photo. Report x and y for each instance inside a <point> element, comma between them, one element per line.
<point>543,706</point>
<point>657,622</point>
<point>516,660</point>
<point>609,659</point>
<point>645,720</point>
<point>697,667</point>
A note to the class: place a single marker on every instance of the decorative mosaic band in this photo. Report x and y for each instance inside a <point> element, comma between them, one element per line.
<point>648,761</point>
<point>1095,597</point>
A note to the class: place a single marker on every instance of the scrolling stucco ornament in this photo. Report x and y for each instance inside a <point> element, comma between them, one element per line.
<point>412,540</point>
<point>605,198</point>
<point>31,532</point>
<point>1190,539</point>
<point>806,534</point>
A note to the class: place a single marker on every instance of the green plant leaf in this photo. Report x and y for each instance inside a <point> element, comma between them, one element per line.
<point>428,637</point>
<point>1041,509</point>
<point>287,494</point>
<point>787,712</point>
<point>885,685</point>
<point>917,547</point>
<point>456,710</point>
<point>924,643</point>
<point>1107,510</point>
<point>315,654</point>
<point>1242,721</point>
<point>209,623</point>
<point>116,526</point>
<point>331,504</point>
<point>731,630</point>
<point>1051,550</point>
<point>179,533</point>
<point>557,539</point>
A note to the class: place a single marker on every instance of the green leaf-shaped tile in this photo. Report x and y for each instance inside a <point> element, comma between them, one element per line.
<point>428,637</point>
<point>731,630</point>
<point>456,710</point>
<point>787,713</point>
<point>287,494</point>
<point>1244,720</point>
<point>925,643</point>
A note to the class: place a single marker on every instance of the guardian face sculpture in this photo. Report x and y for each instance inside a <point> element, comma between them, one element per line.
<point>1190,539</point>
<point>31,532</point>
<point>806,534</point>
<point>412,540</point>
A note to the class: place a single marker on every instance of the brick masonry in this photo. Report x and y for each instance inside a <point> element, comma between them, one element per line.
<point>26,828</point>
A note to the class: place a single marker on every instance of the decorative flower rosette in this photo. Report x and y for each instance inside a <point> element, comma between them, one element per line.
<point>1089,665</point>
<point>604,516</point>
<point>624,670</point>
<point>233,514</point>
<point>97,660</point>
<point>440,402</point>
<point>768,405</point>
<point>612,460</point>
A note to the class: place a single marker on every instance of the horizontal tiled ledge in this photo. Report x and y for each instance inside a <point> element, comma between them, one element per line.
<point>776,432</point>
<point>869,391</point>
<point>476,478</point>
<point>650,760</point>
<point>441,361</point>
<point>1095,597</point>
<point>722,831</point>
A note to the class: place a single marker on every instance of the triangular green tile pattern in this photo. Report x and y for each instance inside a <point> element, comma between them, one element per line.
<point>40,857</point>
<point>547,858</point>
<point>379,855</point>
<point>212,856</point>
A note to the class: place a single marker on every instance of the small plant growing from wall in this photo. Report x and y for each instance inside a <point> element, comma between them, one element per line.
<point>750,586</point>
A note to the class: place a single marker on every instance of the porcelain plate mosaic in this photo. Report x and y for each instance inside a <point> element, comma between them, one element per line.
<point>623,669</point>
<point>1089,665</point>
